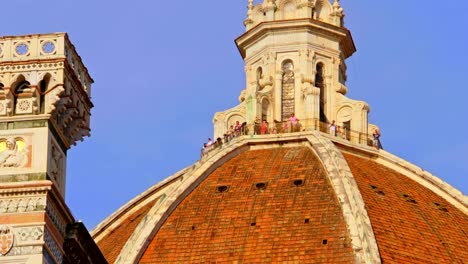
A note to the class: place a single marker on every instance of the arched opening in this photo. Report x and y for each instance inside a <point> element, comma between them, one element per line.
<point>43,86</point>
<point>343,118</point>
<point>287,91</point>
<point>321,10</point>
<point>319,83</point>
<point>266,110</point>
<point>20,87</point>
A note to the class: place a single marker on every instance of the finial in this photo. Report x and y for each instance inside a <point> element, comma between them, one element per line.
<point>338,10</point>
<point>250,6</point>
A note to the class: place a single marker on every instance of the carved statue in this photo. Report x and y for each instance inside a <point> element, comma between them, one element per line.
<point>11,157</point>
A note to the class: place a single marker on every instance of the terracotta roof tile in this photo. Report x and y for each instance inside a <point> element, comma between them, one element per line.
<point>250,210</point>
<point>411,223</point>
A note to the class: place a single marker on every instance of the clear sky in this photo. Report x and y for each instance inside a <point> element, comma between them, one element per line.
<point>163,68</point>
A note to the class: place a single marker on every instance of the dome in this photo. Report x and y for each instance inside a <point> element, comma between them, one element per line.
<point>295,198</point>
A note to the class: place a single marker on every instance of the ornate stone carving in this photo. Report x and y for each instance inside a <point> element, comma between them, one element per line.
<point>337,9</point>
<point>6,239</point>
<point>307,79</point>
<point>12,156</point>
<point>265,82</point>
<point>340,88</point>
<point>29,234</point>
<point>24,205</point>
<point>72,112</point>
<point>26,250</point>
<point>242,96</point>
<point>310,91</point>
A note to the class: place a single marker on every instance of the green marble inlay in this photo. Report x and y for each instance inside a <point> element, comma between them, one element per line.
<point>23,177</point>
<point>23,124</point>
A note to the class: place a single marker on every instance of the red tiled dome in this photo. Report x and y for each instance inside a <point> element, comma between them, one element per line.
<point>276,203</point>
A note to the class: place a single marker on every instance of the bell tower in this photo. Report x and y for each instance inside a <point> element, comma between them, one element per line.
<point>294,53</point>
<point>45,104</point>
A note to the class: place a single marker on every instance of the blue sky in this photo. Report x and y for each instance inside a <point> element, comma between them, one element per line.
<point>163,68</point>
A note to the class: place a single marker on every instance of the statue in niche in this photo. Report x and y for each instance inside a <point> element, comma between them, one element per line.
<point>11,156</point>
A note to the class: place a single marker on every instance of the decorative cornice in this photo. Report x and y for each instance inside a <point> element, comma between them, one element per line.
<point>255,33</point>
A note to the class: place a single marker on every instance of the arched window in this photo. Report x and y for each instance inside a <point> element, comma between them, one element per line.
<point>319,83</point>
<point>266,110</point>
<point>43,86</point>
<point>288,90</point>
<point>20,87</point>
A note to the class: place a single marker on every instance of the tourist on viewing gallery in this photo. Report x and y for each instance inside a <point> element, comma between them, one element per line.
<point>332,128</point>
<point>257,126</point>
<point>264,127</point>
<point>293,120</point>
<point>218,142</point>
<point>237,128</point>
<point>376,135</point>
<point>273,129</point>
<point>244,129</point>
<point>203,150</point>
<point>231,132</point>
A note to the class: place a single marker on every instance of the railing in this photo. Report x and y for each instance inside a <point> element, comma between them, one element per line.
<point>285,127</point>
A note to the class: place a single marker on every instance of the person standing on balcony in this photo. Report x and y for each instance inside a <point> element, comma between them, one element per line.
<point>332,128</point>
<point>376,135</point>
<point>293,123</point>
<point>264,127</point>
<point>257,126</point>
<point>237,128</point>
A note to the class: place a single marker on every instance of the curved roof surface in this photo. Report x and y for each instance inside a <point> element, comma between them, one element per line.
<point>411,223</point>
<point>265,215</point>
<point>283,199</point>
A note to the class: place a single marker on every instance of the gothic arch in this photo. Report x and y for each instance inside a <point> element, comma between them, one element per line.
<point>44,86</point>
<point>20,85</point>
<point>17,80</point>
<point>44,83</point>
